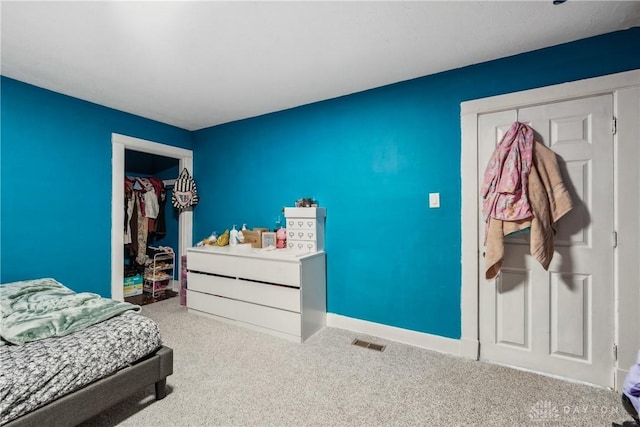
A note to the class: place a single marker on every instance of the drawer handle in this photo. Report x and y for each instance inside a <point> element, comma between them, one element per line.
<point>290,245</point>
<point>310,245</point>
<point>310,223</point>
<point>300,223</point>
<point>291,223</point>
<point>292,234</point>
<point>300,234</point>
<point>310,235</point>
<point>300,245</point>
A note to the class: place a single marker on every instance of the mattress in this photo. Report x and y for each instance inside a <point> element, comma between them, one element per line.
<point>41,371</point>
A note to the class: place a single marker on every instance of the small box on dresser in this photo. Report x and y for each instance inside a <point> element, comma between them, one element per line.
<point>305,228</point>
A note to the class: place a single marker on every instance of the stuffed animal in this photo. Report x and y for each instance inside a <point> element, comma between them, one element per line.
<point>281,238</point>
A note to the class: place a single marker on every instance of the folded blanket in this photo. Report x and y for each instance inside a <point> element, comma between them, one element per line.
<point>36,309</point>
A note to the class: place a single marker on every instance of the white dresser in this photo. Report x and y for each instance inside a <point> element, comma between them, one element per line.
<point>279,292</point>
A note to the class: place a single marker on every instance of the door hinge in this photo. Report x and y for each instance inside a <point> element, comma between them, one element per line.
<point>614,239</point>
<point>614,125</point>
<point>615,352</point>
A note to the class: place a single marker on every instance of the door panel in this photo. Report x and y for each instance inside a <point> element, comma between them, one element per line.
<point>569,303</point>
<point>512,304</point>
<point>558,321</point>
<point>578,172</point>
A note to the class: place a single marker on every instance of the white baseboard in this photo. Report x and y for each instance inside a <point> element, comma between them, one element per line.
<point>470,348</point>
<point>405,336</point>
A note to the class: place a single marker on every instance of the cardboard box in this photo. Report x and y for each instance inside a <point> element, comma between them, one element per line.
<point>133,285</point>
<point>253,237</point>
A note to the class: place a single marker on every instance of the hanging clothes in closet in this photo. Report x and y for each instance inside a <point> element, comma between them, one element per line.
<point>144,214</point>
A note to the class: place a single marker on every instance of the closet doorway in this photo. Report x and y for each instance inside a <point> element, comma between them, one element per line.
<point>559,321</point>
<point>138,150</point>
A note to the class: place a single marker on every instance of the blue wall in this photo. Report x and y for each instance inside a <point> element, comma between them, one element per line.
<point>371,159</point>
<point>56,184</point>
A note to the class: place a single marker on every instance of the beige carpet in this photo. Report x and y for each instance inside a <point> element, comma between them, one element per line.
<point>230,376</point>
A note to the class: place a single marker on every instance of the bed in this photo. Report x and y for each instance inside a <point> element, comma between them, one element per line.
<point>68,356</point>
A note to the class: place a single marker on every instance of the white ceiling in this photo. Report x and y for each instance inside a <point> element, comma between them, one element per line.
<point>198,64</point>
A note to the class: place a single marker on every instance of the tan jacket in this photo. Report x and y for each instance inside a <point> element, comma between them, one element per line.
<point>549,200</point>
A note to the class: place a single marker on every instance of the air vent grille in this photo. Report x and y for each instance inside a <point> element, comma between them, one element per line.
<point>367,344</point>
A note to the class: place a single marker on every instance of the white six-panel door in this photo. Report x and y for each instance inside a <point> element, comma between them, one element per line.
<point>560,321</point>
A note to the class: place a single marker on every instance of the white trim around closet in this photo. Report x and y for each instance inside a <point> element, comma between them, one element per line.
<point>119,144</point>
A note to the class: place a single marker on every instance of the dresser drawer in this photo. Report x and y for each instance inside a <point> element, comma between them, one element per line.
<point>301,223</point>
<point>298,234</point>
<point>260,293</point>
<point>259,315</point>
<point>302,245</point>
<point>264,270</point>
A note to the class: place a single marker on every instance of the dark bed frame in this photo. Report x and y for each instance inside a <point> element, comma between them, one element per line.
<point>74,408</point>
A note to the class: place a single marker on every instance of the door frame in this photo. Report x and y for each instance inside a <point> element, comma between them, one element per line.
<point>625,88</point>
<point>119,144</point>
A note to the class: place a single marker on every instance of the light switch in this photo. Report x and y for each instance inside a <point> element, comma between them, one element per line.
<point>434,200</point>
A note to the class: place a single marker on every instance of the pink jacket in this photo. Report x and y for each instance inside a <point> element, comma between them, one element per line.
<point>504,190</point>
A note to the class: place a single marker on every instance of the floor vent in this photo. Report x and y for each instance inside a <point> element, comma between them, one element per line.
<point>367,344</point>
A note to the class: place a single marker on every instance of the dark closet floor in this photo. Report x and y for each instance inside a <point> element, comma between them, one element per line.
<point>147,298</point>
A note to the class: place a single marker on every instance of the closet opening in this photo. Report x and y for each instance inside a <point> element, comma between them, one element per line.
<point>155,258</point>
<point>151,232</point>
